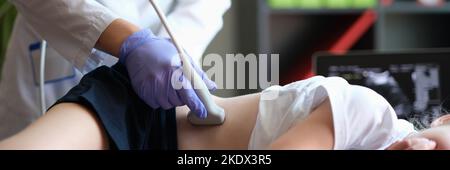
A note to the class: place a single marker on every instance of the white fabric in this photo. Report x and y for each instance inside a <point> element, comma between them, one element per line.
<point>72,28</point>
<point>362,118</point>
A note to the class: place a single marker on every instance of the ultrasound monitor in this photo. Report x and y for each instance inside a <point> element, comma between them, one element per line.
<point>414,82</point>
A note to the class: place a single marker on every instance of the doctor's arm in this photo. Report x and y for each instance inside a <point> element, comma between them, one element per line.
<point>72,28</point>
<point>114,35</point>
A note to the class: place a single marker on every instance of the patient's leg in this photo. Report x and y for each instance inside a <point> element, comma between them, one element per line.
<point>72,126</point>
<point>314,132</point>
<point>235,133</point>
<point>65,126</point>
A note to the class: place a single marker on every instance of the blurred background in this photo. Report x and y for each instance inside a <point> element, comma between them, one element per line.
<point>296,29</point>
<point>7,16</point>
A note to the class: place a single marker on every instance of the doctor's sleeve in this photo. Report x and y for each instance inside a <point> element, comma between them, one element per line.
<point>196,23</point>
<point>71,27</point>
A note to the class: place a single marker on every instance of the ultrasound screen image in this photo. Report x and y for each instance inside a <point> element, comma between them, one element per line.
<point>409,88</point>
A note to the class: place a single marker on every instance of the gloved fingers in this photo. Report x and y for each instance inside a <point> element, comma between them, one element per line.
<point>194,64</point>
<point>145,93</point>
<point>209,83</point>
<point>163,99</point>
<point>132,42</point>
<point>190,98</point>
<point>174,97</point>
<point>165,91</point>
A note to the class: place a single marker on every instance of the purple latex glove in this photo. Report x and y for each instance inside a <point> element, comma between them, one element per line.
<point>151,62</point>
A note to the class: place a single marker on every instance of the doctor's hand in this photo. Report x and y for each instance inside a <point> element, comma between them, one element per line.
<point>152,64</point>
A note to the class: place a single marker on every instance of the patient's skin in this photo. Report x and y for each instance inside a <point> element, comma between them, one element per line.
<point>235,133</point>
<point>435,138</point>
<point>439,132</point>
<point>66,126</point>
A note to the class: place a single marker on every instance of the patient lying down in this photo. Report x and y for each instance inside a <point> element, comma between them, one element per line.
<point>317,113</point>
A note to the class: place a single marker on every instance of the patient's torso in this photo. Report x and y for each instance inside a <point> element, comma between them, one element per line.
<point>362,119</point>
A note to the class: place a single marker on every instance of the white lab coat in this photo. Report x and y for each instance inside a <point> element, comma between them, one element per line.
<point>71,28</point>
